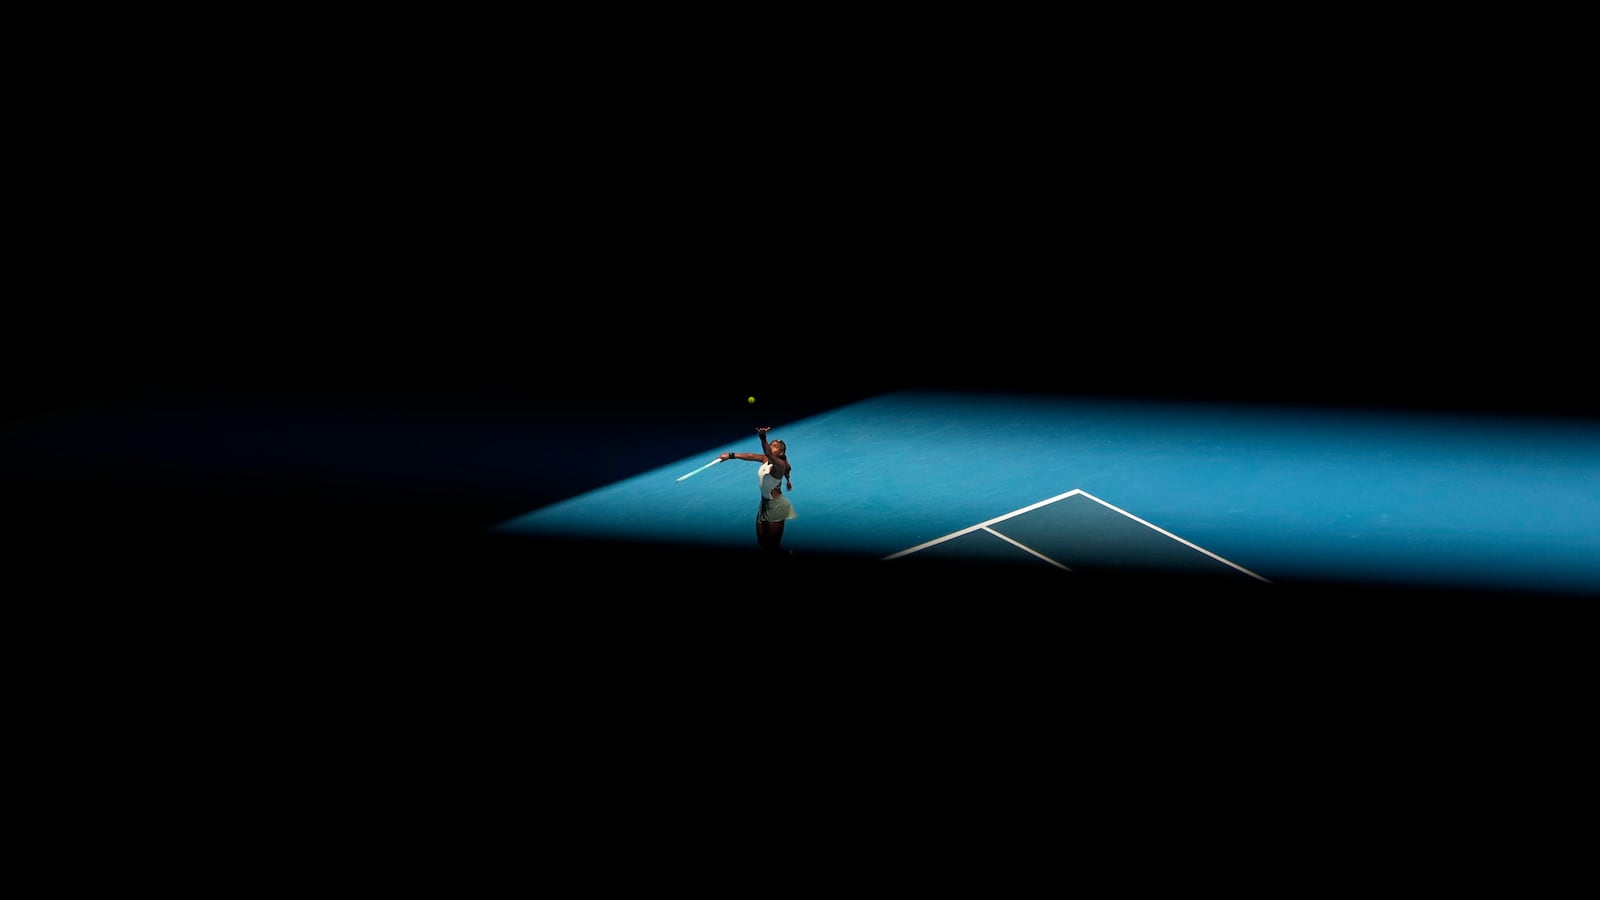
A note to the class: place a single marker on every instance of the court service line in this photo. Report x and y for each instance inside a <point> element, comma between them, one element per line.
<point>1026,549</point>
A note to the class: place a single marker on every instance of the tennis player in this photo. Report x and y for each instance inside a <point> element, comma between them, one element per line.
<point>775,509</point>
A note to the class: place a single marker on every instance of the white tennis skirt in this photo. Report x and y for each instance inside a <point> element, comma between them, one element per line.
<point>775,509</point>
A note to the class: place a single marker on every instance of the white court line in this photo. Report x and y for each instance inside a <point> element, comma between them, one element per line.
<point>1174,537</point>
<point>1046,502</point>
<point>984,525</point>
<point>1026,549</point>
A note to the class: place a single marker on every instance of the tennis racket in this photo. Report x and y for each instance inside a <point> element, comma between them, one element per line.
<point>699,470</point>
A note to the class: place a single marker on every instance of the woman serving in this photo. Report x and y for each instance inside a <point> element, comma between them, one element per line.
<point>775,508</point>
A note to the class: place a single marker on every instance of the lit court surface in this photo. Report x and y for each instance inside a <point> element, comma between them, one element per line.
<point>1265,495</point>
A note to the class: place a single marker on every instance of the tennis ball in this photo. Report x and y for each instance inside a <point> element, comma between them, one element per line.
<point>749,399</point>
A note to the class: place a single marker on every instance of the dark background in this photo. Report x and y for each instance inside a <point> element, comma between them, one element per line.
<point>616,228</point>
<point>624,236</point>
<point>627,242</point>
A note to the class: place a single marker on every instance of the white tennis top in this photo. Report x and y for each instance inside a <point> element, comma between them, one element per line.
<point>767,481</point>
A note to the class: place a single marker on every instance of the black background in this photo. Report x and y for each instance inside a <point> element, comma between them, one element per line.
<point>613,227</point>
<point>614,238</point>
<point>614,231</point>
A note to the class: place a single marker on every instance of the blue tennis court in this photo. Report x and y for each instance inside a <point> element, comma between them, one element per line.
<point>1258,495</point>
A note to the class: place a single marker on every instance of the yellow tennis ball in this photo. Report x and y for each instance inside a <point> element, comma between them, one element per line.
<point>749,399</point>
